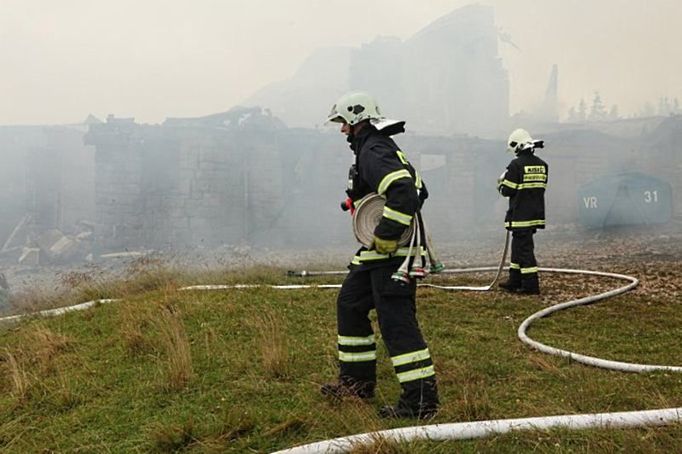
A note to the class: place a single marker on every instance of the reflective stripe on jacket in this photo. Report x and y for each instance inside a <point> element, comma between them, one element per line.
<point>383,168</point>
<point>524,183</point>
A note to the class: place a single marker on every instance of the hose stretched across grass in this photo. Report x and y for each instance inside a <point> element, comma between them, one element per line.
<point>476,429</point>
<point>481,429</point>
<point>525,325</point>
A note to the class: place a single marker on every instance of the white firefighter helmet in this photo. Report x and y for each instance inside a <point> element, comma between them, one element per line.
<point>352,108</point>
<point>519,140</point>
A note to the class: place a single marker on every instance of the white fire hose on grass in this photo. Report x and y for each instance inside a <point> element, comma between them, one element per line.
<point>482,429</point>
<point>474,429</point>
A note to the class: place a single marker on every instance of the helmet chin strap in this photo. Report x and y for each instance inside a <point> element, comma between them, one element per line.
<point>354,129</point>
<point>357,127</point>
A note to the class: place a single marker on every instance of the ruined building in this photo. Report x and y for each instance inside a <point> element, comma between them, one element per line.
<point>447,79</point>
<point>243,178</point>
<point>203,181</point>
<point>46,187</point>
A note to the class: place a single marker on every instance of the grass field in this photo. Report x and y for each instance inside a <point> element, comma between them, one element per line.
<point>238,371</point>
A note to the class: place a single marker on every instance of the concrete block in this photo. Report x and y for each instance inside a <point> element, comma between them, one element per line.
<point>30,256</point>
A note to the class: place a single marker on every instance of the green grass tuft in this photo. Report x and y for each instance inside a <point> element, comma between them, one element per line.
<point>239,371</point>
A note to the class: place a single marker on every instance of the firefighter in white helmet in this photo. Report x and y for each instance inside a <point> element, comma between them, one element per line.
<point>524,183</point>
<point>381,167</point>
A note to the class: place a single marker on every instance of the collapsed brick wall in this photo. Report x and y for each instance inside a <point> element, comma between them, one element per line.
<point>47,173</point>
<point>189,184</point>
<point>118,184</point>
<point>192,184</point>
<point>183,184</point>
<point>14,145</point>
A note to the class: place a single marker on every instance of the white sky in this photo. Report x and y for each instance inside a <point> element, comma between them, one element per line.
<point>152,59</point>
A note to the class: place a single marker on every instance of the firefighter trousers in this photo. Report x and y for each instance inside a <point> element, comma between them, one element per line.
<point>365,289</point>
<point>523,269</point>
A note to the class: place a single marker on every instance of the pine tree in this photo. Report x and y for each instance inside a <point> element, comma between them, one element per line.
<point>647,110</point>
<point>582,110</point>
<point>613,113</point>
<point>663,106</point>
<point>597,111</point>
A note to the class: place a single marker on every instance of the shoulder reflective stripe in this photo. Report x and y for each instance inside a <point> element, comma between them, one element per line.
<point>514,266</point>
<point>352,340</point>
<point>535,177</point>
<point>532,186</point>
<point>416,374</point>
<point>533,269</point>
<point>525,223</point>
<point>357,357</point>
<point>390,178</point>
<point>411,357</point>
<point>403,159</point>
<point>397,216</point>
<point>509,184</point>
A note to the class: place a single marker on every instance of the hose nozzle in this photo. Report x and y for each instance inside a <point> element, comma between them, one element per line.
<point>401,276</point>
<point>437,267</point>
<point>418,272</point>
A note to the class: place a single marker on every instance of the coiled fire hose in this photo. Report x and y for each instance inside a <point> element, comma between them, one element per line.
<point>367,214</point>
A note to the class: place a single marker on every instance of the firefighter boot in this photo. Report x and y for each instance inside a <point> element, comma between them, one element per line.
<point>530,285</point>
<point>514,281</point>
<point>418,400</point>
<point>348,387</point>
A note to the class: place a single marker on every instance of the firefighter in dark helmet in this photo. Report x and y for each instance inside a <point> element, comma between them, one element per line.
<point>524,183</point>
<point>381,167</point>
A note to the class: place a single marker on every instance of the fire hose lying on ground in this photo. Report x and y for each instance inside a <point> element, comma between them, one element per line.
<point>474,429</point>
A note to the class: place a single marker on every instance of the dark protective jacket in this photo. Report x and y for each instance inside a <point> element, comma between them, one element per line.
<point>381,167</point>
<point>524,183</point>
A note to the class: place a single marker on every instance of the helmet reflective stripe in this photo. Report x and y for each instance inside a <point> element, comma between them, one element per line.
<point>519,140</point>
<point>352,108</point>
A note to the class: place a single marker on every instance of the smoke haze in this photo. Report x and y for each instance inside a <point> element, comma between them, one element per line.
<point>157,59</point>
<point>214,144</point>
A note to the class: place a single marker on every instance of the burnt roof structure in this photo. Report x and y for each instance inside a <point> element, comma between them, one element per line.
<point>447,79</point>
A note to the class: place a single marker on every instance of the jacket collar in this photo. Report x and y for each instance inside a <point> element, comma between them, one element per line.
<point>357,141</point>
